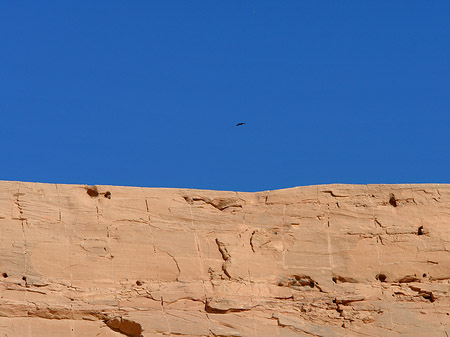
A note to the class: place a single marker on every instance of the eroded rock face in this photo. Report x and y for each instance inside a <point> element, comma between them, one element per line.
<point>331,260</point>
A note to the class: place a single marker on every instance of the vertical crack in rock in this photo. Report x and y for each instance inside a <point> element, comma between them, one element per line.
<point>125,326</point>
<point>69,254</point>
<point>377,224</point>
<point>330,256</point>
<point>25,253</point>
<point>23,223</point>
<point>197,240</point>
<point>59,205</point>
<point>225,256</point>
<point>380,239</point>
<point>328,215</point>
<point>176,263</point>
<point>18,206</point>
<point>197,244</point>
<point>251,242</point>
<point>98,215</point>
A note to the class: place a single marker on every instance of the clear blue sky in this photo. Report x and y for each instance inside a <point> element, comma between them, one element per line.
<point>147,93</point>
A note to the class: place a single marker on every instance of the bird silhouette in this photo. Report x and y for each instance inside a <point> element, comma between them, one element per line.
<point>239,124</point>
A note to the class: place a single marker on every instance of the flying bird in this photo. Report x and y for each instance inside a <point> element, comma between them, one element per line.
<point>239,124</point>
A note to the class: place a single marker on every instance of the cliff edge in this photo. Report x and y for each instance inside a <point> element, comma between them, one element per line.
<point>329,260</point>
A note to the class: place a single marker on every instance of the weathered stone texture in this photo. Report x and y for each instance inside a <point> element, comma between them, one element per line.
<point>330,260</point>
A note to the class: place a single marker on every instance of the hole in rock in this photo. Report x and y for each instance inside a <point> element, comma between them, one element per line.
<point>107,195</point>
<point>424,275</point>
<point>420,230</point>
<point>92,191</point>
<point>381,277</point>
<point>5,275</point>
<point>138,283</point>
<point>393,201</point>
<point>429,296</point>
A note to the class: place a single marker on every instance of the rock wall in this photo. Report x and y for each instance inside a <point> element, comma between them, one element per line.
<point>330,260</point>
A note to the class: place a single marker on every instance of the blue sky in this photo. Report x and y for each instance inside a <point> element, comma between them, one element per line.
<point>147,93</point>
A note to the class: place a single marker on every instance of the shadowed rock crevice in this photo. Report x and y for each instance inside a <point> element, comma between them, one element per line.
<point>125,326</point>
<point>219,203</point>
<point>223,306</point>
<point>225,256</point>
<point>408,279</point>
<point>422,231</point>
<point>299,282</point>
<point>393,200</point>
<point>342,279</point>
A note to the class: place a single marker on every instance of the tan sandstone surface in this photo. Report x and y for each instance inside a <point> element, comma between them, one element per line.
<point>329,260</point>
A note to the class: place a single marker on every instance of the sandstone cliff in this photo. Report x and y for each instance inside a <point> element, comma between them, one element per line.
<point>331,260</point>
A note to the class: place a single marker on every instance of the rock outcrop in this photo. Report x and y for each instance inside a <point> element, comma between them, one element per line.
<point>331,260</point>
